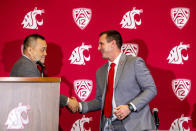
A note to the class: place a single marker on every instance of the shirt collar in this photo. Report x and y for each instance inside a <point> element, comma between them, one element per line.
<point>28,58</point>
<point>116,61</point>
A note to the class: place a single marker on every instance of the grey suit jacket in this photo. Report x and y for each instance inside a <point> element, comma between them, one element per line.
<point>25,68</point>
<point>133,83</point>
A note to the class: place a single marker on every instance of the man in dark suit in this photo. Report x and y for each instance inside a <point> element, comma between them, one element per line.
<point>34,51</point>
<point>124,89</point>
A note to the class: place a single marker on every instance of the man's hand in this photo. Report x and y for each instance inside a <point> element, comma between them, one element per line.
<point>122,111</point>
<point>73,104</point>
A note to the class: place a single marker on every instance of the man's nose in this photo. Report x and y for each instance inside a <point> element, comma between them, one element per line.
<point>45,53</point>
<point>99,47</point>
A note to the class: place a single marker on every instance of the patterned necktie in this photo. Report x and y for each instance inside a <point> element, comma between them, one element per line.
<point>109,93</point>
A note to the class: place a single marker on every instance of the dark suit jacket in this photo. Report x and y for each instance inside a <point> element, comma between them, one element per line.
<point>133,83</point>
<point>25,68</point>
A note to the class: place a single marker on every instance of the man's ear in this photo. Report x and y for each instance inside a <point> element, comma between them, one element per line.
<point>29,50</point>
<point>113,42</point>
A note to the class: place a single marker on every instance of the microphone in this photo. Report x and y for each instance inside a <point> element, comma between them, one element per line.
<point>42,68</point>
<point>40,64</point>
<point>63,101</point>
<point>157,122</point>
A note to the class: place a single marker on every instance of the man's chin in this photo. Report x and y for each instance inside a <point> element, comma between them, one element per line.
<point>42,61</point>
<point>104,57</point>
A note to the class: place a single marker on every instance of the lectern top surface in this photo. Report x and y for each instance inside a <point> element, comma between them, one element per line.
<point>31,79</point>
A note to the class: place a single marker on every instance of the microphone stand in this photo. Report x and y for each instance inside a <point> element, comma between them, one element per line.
<point>157,123</point>
<point>156,118</point>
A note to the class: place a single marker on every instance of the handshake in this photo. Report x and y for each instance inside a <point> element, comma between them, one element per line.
<point>71,103</point>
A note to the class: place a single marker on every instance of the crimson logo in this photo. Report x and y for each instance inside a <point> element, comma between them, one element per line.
<point>177,125</point>
<point>30,21</point>
<point>175,55</point>
<point>129,21</point>
<point>78,125</point>
<point>77,57</point>
<point>15,118</point>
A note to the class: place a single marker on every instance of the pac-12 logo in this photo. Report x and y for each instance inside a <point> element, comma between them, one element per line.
<point>18,117</point>
<point>77,57</point>
<point>83,88</point>
<point>177,125</point>
<point>82,17</point>
<point>130,49</point>
<point>129,21</point>
<point>175,56</point>
<point>78,125</point>
<point>181,88</point>
<point>30,21</point>
<point>180,16</point>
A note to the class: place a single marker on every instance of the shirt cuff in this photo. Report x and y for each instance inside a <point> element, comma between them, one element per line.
<point>80,105</point>
<point>67,101</point>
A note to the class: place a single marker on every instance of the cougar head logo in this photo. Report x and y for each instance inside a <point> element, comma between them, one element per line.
<point>177,125</point>
<point>77,56</point>
<point>175,56</point>
<point>30,21</point>
<point>16,118</point>
<point>79,124</point>
<point>129,21</point>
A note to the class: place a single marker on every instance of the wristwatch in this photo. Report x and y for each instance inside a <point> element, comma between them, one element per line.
<point>131,107</point>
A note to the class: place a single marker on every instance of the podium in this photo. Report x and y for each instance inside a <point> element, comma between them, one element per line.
<point>29,103</point>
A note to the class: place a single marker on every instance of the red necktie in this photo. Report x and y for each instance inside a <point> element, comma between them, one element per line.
<point>109,93</point>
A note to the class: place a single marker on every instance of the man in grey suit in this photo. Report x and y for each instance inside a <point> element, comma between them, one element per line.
<point>34,51</point>
<point>132,89</point>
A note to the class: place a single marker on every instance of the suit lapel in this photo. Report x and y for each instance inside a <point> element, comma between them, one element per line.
<point>120,68</point>
<point>105,78</point>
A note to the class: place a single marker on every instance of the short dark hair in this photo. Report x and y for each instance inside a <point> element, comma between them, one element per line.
<point>113,35</point>
<point>28,40</point>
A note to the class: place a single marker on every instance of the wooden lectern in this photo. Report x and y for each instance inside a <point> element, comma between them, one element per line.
<point>29,103</point>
